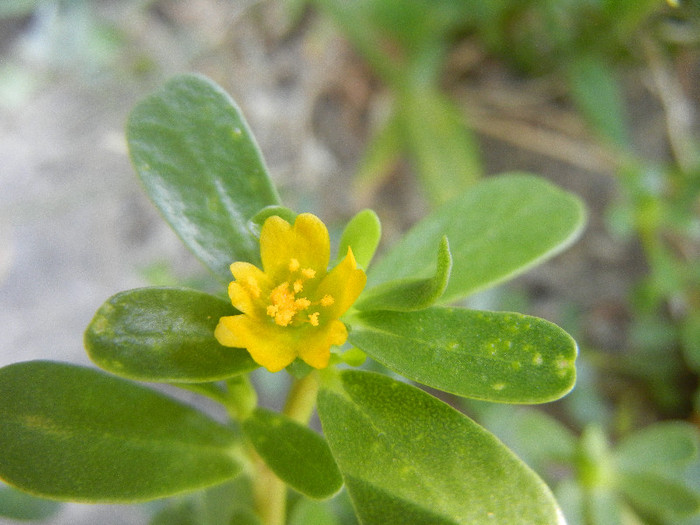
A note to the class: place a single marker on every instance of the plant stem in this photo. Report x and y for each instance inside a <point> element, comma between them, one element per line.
<point>269,491</point>
<point>270,494</point>
<point>302,398</point>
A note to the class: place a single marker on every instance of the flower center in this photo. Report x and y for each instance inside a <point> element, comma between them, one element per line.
<point>285,304</point>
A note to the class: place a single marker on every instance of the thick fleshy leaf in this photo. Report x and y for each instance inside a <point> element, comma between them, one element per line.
<point>18,505</point>
<point>409,458</point>
<point>497,229</point>
<point>494,356</point>
<point>202,168</point>
<point>410,294</point>
<point>73,433</point>
<point>297,454</point>
<point>362,234</point>
<point>164,335</point>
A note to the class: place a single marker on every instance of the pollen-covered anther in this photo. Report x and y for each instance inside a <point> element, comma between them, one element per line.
<point>301,304</point>
<point>309,273</point>
<point>294,265</point>
<point>327,300</point>
<point>313,318</point>
<point>298,286</point>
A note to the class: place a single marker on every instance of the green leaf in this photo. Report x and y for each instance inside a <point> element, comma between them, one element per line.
<point>657,494</point>
<point>73,433</point>
<point>537,438</point>
<point>297,454</point>
<point>381,155</point>
<point>17,8</point>
<point>409,458</point>
<point>494,356</point>
<point>310,512</point>
<point>445,151</point>
<point>164,335</point>
<point>410,294</point>
<point>596,93</point>
<point>17,505</point>
<point>362,234</point>
<point>181,513</point>
<point>228,503</point>
<point>662,447</point>
<point>256,222</point>
<point>201,167</point>
<point>497,229</point>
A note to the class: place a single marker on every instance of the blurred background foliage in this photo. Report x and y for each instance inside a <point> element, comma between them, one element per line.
<point>610,89</point>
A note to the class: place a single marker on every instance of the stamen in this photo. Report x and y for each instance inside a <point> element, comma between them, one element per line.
<point>302,304</point>
<point>313,318</point>
<point>327,300</point>
<point>294,265</point>
<point>282,307</point>
<point>284,318</point>
<point>309,273</point>
<point>284,303</point>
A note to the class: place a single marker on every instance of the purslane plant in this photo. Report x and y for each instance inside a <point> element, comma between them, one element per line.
<point>74,433</point>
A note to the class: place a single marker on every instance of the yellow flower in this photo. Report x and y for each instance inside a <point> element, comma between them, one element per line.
<point>291,307</point>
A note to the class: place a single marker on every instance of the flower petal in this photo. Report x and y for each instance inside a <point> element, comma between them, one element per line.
<point>268,345</point>
<point>225,332</point>
<point>316,350</point>
<point>313,244</point>
<point>275,245</point>
<point>249,286</point>
<point>307,242</point>
<point>344,283</point>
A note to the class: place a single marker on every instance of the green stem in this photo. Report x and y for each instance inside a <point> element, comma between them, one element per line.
<point>302,399</point>
<point>269,491</point>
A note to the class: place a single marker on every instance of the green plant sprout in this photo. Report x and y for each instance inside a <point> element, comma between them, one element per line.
<point>74,433</point>
<point>648,476</point>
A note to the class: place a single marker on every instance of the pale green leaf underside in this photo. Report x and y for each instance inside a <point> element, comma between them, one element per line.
<point>408,459</point>
<point>201,167</point>
<point>164,335</point>
<point>297,454</point>
<point>410,294</point>
<point>73,433</point>
<point>497,229</point>
<point>494,356</point>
